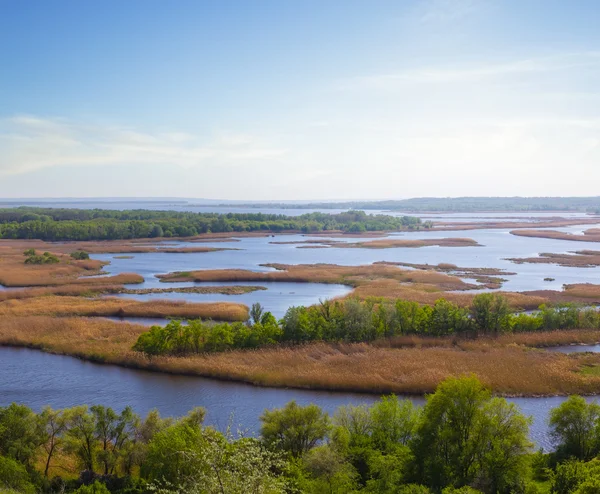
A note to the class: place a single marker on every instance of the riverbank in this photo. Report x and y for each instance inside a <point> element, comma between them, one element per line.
<point>509,365</point>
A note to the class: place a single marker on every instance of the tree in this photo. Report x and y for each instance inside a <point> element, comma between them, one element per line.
<point>327,471</point>
<point>490,313</point>
<point>174,453</point>
<point>393,422</point>
<point>575,428</point>
<point>13,475</point>
<point>293,428</point>
<point>21,433</point>
<point>256,312</point>
<point>156,231</point>
<point>55,423</point>
<point>81,436</point>
<point>113,432</point>
<point>465,437</point>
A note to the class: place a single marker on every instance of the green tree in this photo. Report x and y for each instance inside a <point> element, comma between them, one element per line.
<point>21,433</point>
<point>490,313</point>
<point>54,423</point>
<point>13,475</point>
<point>293,428</point>
<point>575,428</point>
<point>81,436</point>
<point>465,436</point>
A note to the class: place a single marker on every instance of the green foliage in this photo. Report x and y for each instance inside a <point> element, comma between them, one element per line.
<point>466,437</point>
<point>14,475</point>
<point>294,429</point>
<point>21,433</point>
<point>359,321</point>
<point>490,313</point>
<point>463,441</point>
<point>576,477</point>
<point>575,427</point>
<point>95,488</point>
<point>98,224</point>
<point>46,258</point>
<point>80,255</point>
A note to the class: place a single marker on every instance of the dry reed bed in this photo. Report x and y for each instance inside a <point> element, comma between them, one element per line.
<point>487,277</point>
<point>391,243</point>
<point>486,225</point>
<point>542,339</point>
<point>324,273</point>
<point>507,369</point>
<point>578,259</point>
<point>62,306</point>
<point>134,246</point>
<point>592,235</point>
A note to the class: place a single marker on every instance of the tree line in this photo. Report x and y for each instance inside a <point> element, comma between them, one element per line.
<point>452,204</point>
<point>353,320</point>
<point>100,224</point>
<point>463,440</point>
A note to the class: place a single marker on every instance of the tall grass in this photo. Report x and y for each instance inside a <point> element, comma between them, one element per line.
<point>78,306</point>
<point>507,368</point>
<point>325,273</point>
<point>389,243</point>
<point>589,236</point>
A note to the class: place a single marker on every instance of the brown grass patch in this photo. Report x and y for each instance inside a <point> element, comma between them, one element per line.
<point>507,369</point>
<point>324,273</point>
<point>374,280</point>
<point>487,277</point>
<point>77,306</point>
<point>591,235</point>
<point>577,259</point>
<point>557,222</point>
<point>392,243</point>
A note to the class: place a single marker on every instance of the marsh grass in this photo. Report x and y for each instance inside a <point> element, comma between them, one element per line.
<point>591,235</point>
<point>407,365</point>
<point>61,306</point>
<point>390,243</point>
<point>325,273</point>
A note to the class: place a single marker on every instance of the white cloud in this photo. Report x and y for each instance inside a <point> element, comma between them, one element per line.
<point>446,11</point>
<point>473,73</point>
<point>29,143</point>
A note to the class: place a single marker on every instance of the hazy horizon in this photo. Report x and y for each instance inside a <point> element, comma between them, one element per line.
<point>307,101</point>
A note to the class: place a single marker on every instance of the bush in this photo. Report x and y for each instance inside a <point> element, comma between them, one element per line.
<point>80,255</point>
<point>13,475</point>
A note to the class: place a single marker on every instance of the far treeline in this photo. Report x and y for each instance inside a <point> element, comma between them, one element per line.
<point>353,320</point>
<point>462,441</point>
<point>101,224</point>
<point>453,204</point>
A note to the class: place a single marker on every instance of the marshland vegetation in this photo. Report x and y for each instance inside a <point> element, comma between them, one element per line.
<point>590,235</point>
<point>462,440</point>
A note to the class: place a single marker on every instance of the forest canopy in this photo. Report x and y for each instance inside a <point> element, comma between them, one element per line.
<point>102,224</point>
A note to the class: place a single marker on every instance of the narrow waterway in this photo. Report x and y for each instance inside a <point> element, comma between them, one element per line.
<point>38,379</point>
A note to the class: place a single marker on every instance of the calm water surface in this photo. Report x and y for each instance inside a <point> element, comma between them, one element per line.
<point>38,379</point>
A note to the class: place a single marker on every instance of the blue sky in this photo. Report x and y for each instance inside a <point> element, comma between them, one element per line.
<point>267,100</point>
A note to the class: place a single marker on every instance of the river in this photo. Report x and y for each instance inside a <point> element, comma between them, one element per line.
<point>38,379</point>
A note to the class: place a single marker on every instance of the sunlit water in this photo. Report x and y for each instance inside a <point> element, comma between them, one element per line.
<point>39,379</point>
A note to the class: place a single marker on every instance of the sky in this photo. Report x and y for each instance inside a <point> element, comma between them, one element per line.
<point>299,99</point>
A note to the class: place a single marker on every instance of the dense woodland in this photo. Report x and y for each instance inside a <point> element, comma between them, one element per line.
<point>101,224</point>
<point>354,320</point>
<point>462,441</point>
<point>454,204</point>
